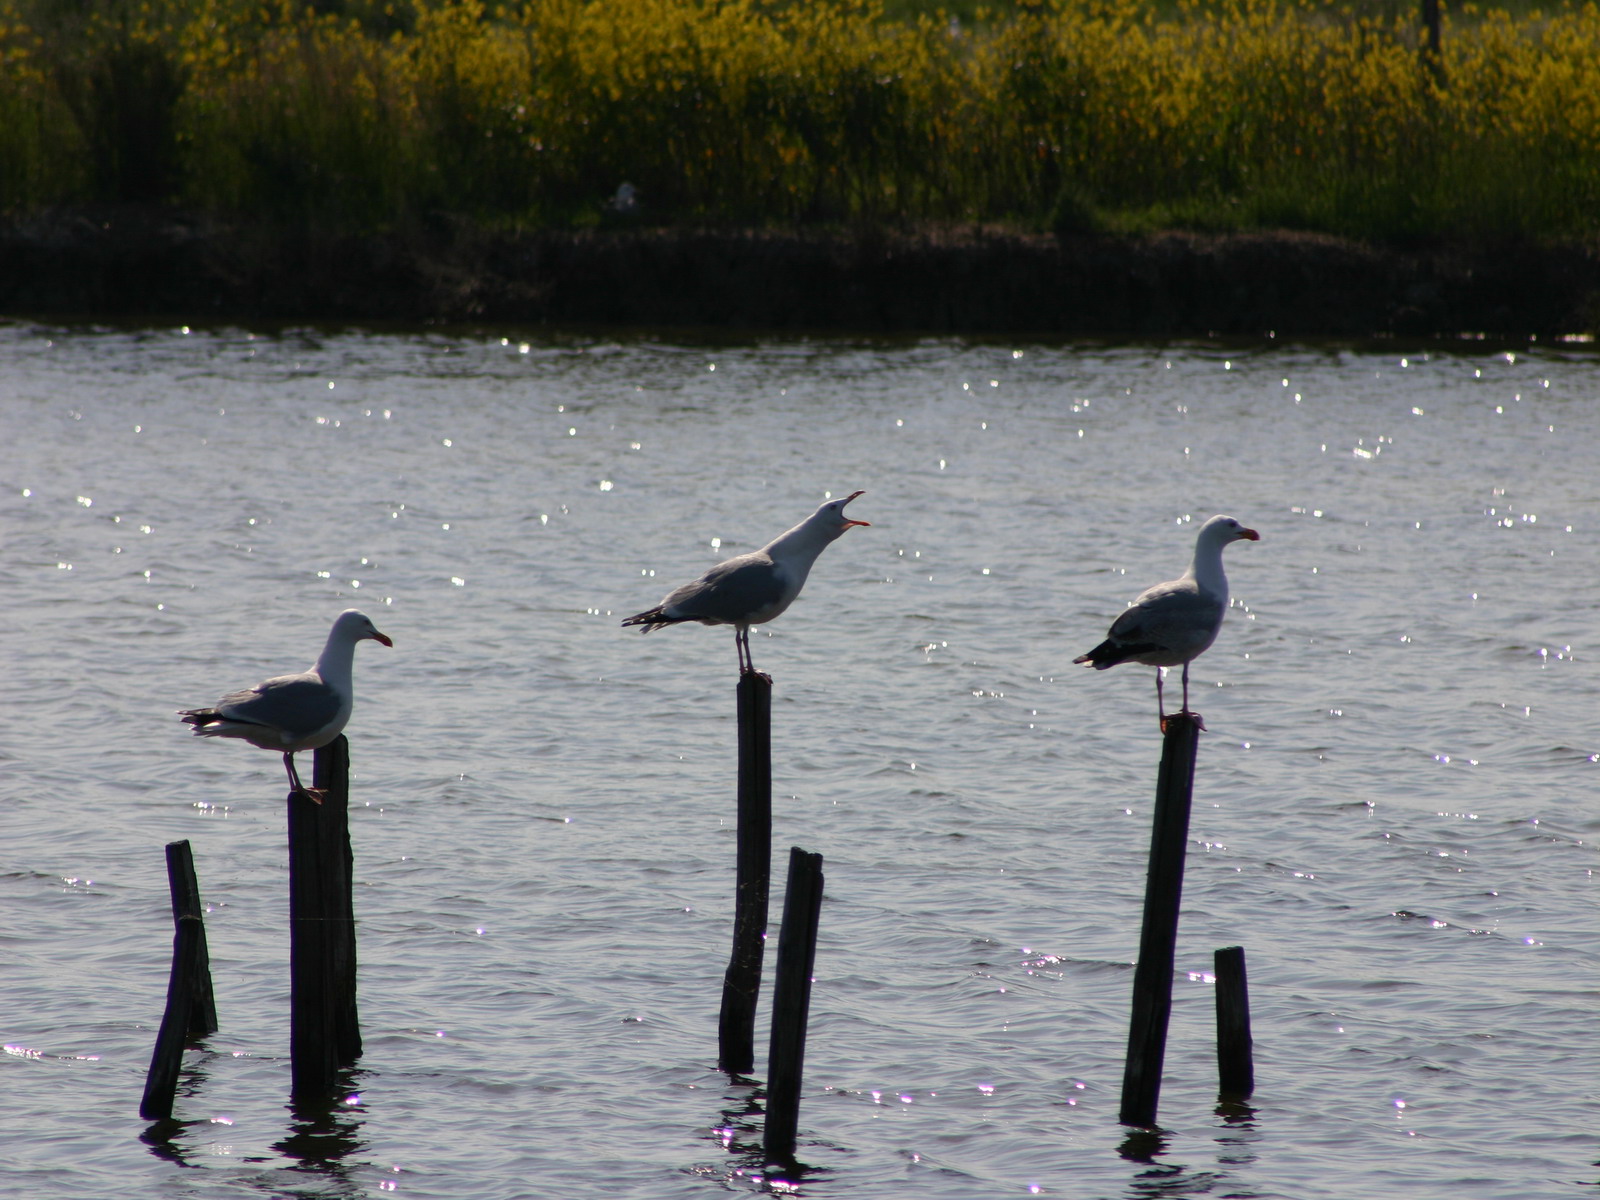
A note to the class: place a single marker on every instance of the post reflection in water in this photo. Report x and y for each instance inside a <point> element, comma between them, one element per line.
<point>322,1137</point>
<point>738,1131</point>
<point>166,1138</point>
<point>738,1127</point>
<point>1236,1137</point>
<point>1142,1145</point>
<point>1236,1140</point>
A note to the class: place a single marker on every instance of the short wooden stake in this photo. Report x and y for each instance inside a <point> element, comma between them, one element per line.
<point>1152,979</point>
<point>1235,1058</point>
<point>324,1028</point>
<point>191,1005</point>
<point>741,985</point>
<point>791,1003</point>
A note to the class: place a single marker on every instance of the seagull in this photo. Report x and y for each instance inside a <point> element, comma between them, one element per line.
<point>294,712</point>
<point>1175,622</point>
<point>750,589</point>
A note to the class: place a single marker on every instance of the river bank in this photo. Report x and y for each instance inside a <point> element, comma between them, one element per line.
<point>140,263</point>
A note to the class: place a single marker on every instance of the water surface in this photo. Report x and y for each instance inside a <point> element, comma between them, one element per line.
<point>1395,809</point>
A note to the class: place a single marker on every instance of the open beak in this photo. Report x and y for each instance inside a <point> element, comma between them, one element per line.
<point>848,523</point>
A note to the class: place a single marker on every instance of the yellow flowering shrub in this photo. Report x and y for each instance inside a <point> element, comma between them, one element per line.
<point>1073,113</point>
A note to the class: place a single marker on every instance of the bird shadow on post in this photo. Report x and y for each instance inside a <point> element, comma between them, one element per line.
<point>324,1029</point>
<point>741,985</point>
<point>191,1010</point>
<point>1152,980</point>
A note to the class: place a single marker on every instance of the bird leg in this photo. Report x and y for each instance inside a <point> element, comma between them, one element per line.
<point>1161,712</point>
<point>747,666</point>
<point>315,795</point>
<point>1185,710</point>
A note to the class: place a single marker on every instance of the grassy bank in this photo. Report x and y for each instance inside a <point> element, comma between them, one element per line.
<point>1072,115</point>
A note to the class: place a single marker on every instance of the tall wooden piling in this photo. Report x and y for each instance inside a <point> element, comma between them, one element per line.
<point>324,1028</point>
<point>191,1005</point>
<point>791,1003</point>
<point>1236,1070</point>
<point>1152,979</point>
<point>741,985</point>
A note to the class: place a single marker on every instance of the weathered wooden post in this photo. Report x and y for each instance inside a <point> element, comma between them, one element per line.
<point>324,1028</point>
<point>191,1005</point>
<point>741,985</point>
<point>791,1003</point>
<point>1152,979</point>
<point>1432,40</point>
<point>1235,1058</point>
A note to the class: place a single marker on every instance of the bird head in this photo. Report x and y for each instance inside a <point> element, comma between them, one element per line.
<point>832,519</point>
<point>1226,529</point>
<point>358,627</point>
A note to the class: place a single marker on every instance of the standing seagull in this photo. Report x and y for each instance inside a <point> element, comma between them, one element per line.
<point>295,712</point>
<point>750,589</point>
<point>1175,622</point>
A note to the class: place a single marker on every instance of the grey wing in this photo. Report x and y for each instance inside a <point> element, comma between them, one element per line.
<point>1166,615</point>
<point>297,704</point>
<point>729,591</point>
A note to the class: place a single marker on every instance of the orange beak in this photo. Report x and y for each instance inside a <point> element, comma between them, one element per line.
<point>863,524</point>
<point>1250,535</point>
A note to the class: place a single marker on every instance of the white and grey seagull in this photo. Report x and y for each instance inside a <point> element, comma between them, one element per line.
<point>1174,623</point>
<point>290,713</point>
<point>750,589</point>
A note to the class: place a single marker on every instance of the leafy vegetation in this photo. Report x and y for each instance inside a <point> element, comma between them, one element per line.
<point>1076,115</point>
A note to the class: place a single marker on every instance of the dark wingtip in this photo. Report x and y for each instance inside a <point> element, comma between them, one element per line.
<point>653,619</point>
<point>1106,655</point>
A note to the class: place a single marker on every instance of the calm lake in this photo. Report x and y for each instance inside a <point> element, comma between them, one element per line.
<point>1395,805</point>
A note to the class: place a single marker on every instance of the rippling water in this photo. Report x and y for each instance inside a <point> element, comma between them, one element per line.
<point>1395,805</point>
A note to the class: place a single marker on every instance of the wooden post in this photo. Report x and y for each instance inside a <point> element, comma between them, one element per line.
<point>1235,1061</point>
<point>1433,40</point>
<point>741,986</point>
<point>332,771</point>
<point>1152,979</point>
<point>324,1029</point>
<point>791,1002</point>
<point>191,1005</point>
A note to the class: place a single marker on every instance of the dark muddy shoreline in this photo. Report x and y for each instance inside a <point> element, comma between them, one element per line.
<point>141,264</point>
